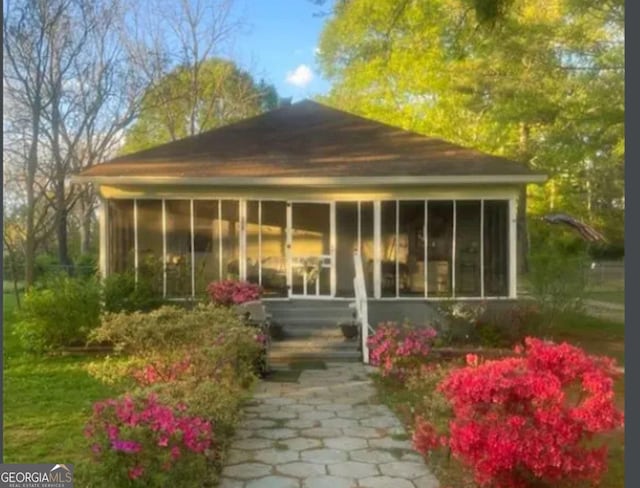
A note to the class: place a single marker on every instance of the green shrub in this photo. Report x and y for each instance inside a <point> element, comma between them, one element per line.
<point>202,358</point>
<point>123,294</point>
<point>86,266</point>
<point>46,266</point>
<point>558,281</point>
<point>62,313</point>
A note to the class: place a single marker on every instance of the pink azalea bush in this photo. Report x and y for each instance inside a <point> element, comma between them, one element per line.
<point>185,371</point>
<point>397,349</point>
<point>232,292</point>
<point>140,441</point>
<point>529,420</point>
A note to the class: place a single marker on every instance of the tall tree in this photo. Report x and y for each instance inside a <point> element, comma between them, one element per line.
<point>538,81</point>
<point>224,94</point>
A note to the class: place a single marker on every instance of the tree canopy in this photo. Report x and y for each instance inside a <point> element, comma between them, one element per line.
<point>193,99</point>
<point>538,81</point>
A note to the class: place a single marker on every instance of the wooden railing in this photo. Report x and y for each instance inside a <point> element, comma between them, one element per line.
<point>361,305</point>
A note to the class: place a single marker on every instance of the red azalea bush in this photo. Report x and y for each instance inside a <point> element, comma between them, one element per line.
<point>141,442</point>
<point>529,420</point>
<point>231,292</point>
<point>397,349</point>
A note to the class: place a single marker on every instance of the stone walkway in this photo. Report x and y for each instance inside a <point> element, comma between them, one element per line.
<point>322,432</point>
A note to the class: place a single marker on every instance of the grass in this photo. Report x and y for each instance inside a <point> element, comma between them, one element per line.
<point>611,296</point>
<point>47,401</point>
<point>597,336</point>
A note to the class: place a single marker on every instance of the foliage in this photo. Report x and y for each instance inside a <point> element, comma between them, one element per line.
<point>542,82</point>
<point>203,358</point>
<point>488,324</point>
<point>86,265</point>
<point>223,94</point>
<point>61,314</point>
<point>141,442</point>
<point>397,348</point>
<point>528,420</point>
<point>558,281</point>
<point>232,292</point>
<point>123,294</point>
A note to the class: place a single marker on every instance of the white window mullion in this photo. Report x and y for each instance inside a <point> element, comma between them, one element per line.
<point>193,252</point>
<point>260,242</point>
<point>377,249</point>
<point>359,228</point>
<point>453,252</point>
<point>104,239</point>
<point>289,257</point>
<point>482,248</point>
<point>135,238</point>
<point>164,248</point>
<point>220,247</point>
<point>397,248</point>
<point>242,261</point>
<point>513,250</point>
<point>332,243</point>
<point>425,236</point>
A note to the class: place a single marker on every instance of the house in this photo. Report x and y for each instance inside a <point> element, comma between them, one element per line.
<point>284,199</point>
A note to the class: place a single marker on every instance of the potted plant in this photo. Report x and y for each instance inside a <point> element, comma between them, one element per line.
<point>349,329</point>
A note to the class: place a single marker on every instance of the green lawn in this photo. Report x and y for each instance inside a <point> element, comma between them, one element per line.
<point>611,296</point>
<point>595,335</point>
<point>46,404</point>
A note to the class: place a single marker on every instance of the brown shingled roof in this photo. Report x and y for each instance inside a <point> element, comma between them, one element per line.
<point>306,139</point>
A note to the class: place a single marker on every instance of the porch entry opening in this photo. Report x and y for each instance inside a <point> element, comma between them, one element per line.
<point>311,247</point>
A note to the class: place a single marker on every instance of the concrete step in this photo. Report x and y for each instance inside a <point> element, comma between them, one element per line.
<point>310,322</point>
<point>314,343</point>
<point>300,331</point>
<point>279,357</point>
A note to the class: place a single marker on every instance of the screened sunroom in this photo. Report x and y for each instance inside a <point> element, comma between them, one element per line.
<point>286,200</point>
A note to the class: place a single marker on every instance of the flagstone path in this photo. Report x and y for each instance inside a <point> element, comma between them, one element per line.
<point>324,431</point>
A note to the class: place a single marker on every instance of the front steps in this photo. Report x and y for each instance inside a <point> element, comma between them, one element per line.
<point>310,331</point>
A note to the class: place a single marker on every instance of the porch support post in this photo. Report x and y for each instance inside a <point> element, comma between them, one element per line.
<point>288,257</point>
<point>425,235</point>
<point>103,219</point>
<point>377,249</point>
<point>193,251</point>
<point>332,250</point>
<point>164,248</point>
<point>513,248</point>
<point>482,248</point>
<point>242,269</point>
<point>453,251</point>
<point>260,242</point>
<point>136,263</point>
<point>397,248</point>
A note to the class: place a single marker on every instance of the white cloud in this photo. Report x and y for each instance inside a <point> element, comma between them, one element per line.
<point>300,77</point>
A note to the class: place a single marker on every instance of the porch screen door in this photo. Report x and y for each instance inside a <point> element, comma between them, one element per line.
<point>311,257</point>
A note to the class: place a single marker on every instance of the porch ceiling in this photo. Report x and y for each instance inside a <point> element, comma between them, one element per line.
<point>307,140</point>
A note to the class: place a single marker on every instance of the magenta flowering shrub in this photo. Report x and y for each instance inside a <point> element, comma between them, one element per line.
<point>140,441</point>
<point>232,292</point>
<point>397,349</point>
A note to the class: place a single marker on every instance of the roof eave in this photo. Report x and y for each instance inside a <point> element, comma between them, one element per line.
<point>325,181</point>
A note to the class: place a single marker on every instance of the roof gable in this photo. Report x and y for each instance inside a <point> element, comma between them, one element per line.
<point>306,139</point>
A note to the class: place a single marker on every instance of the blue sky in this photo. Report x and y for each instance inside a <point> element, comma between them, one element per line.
<point>279,43</point>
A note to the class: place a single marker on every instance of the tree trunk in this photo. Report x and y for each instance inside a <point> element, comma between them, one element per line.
<point>523,237</point>
<point>32,165</point>
<point>61,227</point>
